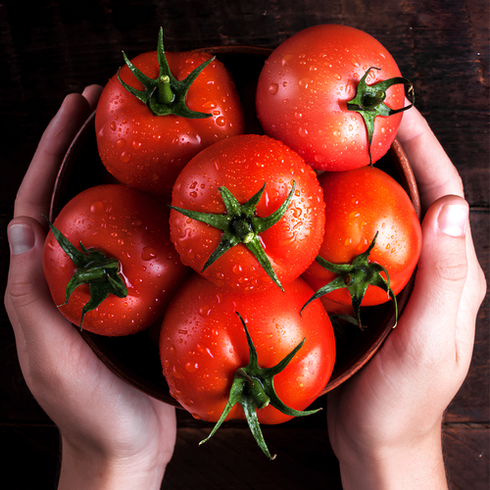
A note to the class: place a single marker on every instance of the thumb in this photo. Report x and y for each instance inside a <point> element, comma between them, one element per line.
<point>429,329</point>
<point>26,239</point>
<point>442,268</point>
<point>27,298</point>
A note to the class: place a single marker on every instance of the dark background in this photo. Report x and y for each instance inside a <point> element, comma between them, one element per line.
<point>51,48</point>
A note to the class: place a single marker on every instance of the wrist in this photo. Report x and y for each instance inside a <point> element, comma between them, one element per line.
<point>412,464</point>
<point>82,469</point>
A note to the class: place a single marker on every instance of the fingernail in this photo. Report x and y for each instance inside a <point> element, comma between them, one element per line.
<point>21,238</point>
<point>453,219</point>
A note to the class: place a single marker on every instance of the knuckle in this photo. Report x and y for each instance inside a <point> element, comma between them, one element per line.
<point>452,268</point>
<point>21,291</point>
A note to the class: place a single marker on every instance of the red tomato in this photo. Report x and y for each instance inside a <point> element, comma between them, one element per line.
<point>202,344</point>
<point>131,227</point>
<point>304,88</point>
<point>360,203</point>
<point>147,151</point>
<point>244,164</point>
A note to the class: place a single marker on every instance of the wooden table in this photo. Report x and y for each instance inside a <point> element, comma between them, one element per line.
<point>51,48</point>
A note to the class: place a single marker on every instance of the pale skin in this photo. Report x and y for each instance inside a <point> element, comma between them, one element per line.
<point>384,423</point>
<point>113,435</point>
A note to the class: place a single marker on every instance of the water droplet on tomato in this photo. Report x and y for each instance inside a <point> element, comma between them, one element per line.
<point>125,157</point>
<point>237,269</point>
<point>297,212</point>
<point>320,158</point>
<point>148,253</point>
<point>113,126</point>
<point>273,88</point>
<point>303,83</point>
<point>176,373</point>
<point>191,367</point>
<point>120,143</point>
<point>221,121</point>
<point>286,59</point>
<point>205,310</point>
<point>97,207</point>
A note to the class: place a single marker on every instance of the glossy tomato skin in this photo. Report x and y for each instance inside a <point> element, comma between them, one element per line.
<point>243,164</point>
<point>304,88</point>
<point>125,224</point>
<point>360,203</point>
<point>147,152</point>
<point>202,344</point>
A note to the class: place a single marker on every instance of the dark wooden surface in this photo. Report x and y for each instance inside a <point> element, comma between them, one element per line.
<point>51,48</point>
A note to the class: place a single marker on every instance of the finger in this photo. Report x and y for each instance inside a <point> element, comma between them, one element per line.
<point>435,174</point>
<point>35,318</point>
<point>27,290</point>
<point>429,329</point>
<point>33,197</point>
<point>92,94</point>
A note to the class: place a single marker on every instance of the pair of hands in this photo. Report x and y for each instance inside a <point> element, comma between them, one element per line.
<point>386,418</point>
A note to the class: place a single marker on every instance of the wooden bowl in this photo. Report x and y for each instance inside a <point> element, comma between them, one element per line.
<point>136,358</point>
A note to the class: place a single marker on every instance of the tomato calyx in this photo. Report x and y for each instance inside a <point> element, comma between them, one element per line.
<point>101,273</point>
<point>241,225</point>
<point>369,101</point>
<point>165,94</point>
<point>356,276</point>
<point>253,388</point>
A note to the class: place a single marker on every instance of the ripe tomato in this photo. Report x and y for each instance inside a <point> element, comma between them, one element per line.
<point>147,151</point>
<point>249,167</point>
<point>306,84</point>
<point>203,344</point>
<point>360,203</point>
<point>125,225</point>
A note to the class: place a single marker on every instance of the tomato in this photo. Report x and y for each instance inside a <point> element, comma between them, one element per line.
<point>130,227</point>
<point>306,84</point>
<point>225,180</point>
<point>147,151</point>
<point>203,344</point>
<point>359,204</point>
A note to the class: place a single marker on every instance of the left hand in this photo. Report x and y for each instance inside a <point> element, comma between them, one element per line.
<point>113,435</point>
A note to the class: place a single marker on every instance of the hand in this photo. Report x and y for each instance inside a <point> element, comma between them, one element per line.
<point>113,436</point>
<point>385,422</point>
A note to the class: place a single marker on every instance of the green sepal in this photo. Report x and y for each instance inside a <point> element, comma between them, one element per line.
<point>253,388</point>
<point>165,94</point>
<point>369,102</point>
<point>240,225</point>
<point>356,277</point>
<point>101,273</point>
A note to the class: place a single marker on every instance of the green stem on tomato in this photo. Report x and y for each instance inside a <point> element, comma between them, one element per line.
<point>356,276</point>
<point>369,102</point>
<point>101,273</point>
<point>240,225</point>
<point>253,388</point>
<point>165,94</point>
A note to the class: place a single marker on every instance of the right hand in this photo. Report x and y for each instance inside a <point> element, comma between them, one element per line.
<point>385,422</point>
